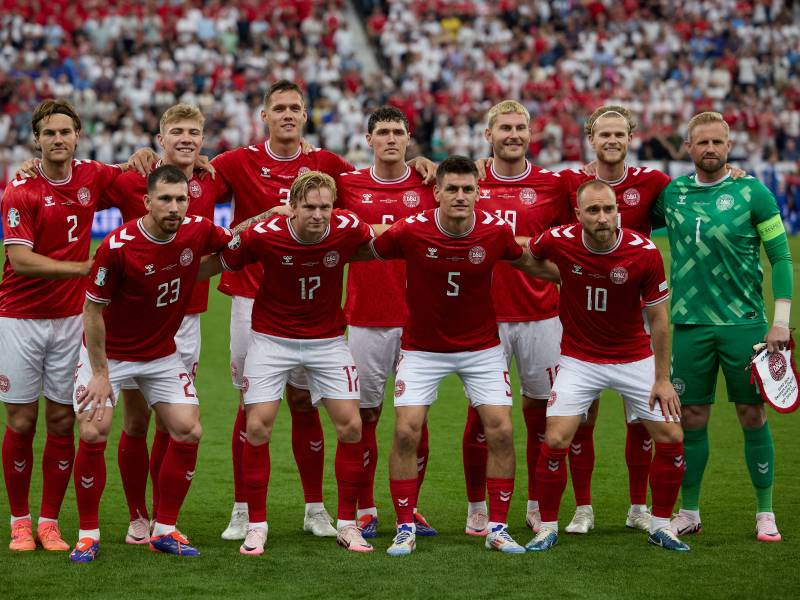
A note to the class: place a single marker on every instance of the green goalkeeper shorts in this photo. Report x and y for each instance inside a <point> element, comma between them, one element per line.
<point>699,350</point>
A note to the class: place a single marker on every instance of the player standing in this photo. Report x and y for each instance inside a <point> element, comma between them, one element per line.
<point>450,253</point>
<point>181,138</point>
<point>298,322</point>
<point>530,199</point>
<point>147,267</point>
<point>387,192</point>
<point>47,224</point>
<point>716,226</point>
<point>606,272</point>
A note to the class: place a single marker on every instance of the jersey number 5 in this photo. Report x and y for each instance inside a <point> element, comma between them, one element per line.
<point>451,282</point>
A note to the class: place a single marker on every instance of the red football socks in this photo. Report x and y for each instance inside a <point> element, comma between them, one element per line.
<point>174,479</point>
<point>350,474</point>
<point>59,453</point>
<point>157,454</point>
<point>551,479</point>
<point>500,492</point>
<point>17,469</point>
<point>238,440</point>
<point>404,498</point>
<point>581,464</point>
<point>308,446</point>
<point>638,456</point>
<point>475,454</point>
<point>366,495</point>
<point>666,475</point>
<point>255,475</point>
<point>535,423</point>
<point>133,461</point>
<point>90,480</point>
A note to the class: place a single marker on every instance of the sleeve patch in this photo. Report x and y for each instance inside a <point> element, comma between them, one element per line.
<point>662,286</point>
<point>771,228</point>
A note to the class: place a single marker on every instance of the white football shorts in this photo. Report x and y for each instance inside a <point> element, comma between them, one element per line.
<point>484,374</point>
<point>375,351</point>
<point>536,346</point>
<point>328,364</point>
<point>579,383</point>
<point>164,379</point>
<point>241,313</point>
<point>187,344</point>
<point>38,356</point>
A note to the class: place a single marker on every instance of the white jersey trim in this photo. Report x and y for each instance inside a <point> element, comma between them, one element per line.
<point>272,155</point>
<point>510,178</point>
<point>97,299</point>
<point>663,298</point>
<point>712,183</point>
<point>609,251</point>
<point>400,179</point>
<point>297,239</point>
<point>616,181</point>
<point>17,242</point>
<point>56,182</point>
<point>149,237</point>
<point>453,235</point>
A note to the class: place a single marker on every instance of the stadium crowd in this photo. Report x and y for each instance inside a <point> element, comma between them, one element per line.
<point>122,63</point>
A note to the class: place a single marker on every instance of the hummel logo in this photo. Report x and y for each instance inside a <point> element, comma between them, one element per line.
<point>402,502</point>
<point>432,253</point>
<point>189,475</point>
<point>577,269</point>
<point>366,458</point>
<point>242,436</point>
<point>366,198</point>
<point>678,461</point>
<point>552,465</point>
<point>480,438</point>
<point>505,496</point>
<point>87,482</point>
<point>63,465</point>
<point>316,446</point>
<point>576,448</point>
<point>265,171</point>
<point>48,201</point>
<point>288,261</point>
<point>681,200</point>
<point>19,465</point>
<point>763,468</point>
<point>420,463</point>
<point>540,437</point>
<point>647,445</point>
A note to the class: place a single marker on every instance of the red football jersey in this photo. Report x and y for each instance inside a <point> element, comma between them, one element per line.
<point>54,219</point>
<point>530,203</point>
<point>127,195</point>
<point>637,191</point>
<point>601,293</point>
<point>375,289</point>
<point>449,279</point>
<point>147,284</point>
<point>260,180</point>
<point>301,295</point>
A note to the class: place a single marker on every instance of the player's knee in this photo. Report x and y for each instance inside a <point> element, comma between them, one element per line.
<point>694,416</point>
<point>61,423</point>
<point>187,431</point>
<point>21,418</point>
<point>406,438</point>
<point>136,425</point>
<point>668,433</point>
<point>557,439</point>
<point>258,432</point>
<point>370,415</point>
<point>349,432</point>
<point>751,416</point>
<point>500,436</point>
<point>94,432</point>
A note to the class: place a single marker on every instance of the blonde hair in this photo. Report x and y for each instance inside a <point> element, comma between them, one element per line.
<point>181,112</point>
<point>609,110</point>
<point>704,118</point>
<point>506,107</point>
<point>311,180</point>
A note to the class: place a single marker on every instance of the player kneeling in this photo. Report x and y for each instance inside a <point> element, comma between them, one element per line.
<point>298,322</point>
<point>142,279</point>
<point>605,271</point>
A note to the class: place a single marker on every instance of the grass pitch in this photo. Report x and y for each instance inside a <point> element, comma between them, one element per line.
<point>610,562</point>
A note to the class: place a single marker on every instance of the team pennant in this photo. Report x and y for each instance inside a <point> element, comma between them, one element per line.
<point>776,377</point>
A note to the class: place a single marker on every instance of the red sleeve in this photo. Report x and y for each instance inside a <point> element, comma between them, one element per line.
<point>19,215</point>
<point>388,245</point>
<point>540,246</point>
<point>227,167</point>
<point>115,195</point>
<point>511,249</point>
<point>105,175</point>
<point>654,284</point>
<point>239,251</point>
<point>333,164</point>
<point>106,274</point>
<point>218,238</point>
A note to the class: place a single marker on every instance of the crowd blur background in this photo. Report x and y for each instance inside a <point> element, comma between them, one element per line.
<point>443,62</point>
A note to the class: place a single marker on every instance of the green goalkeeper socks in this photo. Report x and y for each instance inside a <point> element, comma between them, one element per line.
<point>759,454</point>
<point>695,450</point>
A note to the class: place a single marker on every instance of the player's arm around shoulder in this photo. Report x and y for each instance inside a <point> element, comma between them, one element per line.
<point>533,266</point>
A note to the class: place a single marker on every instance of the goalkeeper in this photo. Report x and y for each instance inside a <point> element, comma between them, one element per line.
<point>716,226</point>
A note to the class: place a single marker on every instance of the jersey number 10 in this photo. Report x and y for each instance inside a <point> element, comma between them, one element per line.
<point>596,298</point>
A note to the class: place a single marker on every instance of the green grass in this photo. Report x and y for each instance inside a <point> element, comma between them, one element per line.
<point>611,562</point>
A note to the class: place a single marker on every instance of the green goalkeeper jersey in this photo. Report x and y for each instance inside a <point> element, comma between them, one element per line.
<point>715,232</point>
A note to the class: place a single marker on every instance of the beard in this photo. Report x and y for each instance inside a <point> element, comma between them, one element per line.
<point>603,157</point>
<point>709,165</point>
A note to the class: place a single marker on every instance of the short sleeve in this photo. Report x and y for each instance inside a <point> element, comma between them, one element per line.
<point>227,166</point>
<point>333,164</point>
<point>511,250</point>
<point>762,203</point>
<point>388,245</point>
<point>654,285</point>
<point>19,215</point>
<point>105,275</point>
<point>240,250</point>
<point>540,246</point>
<point>105,175</point>
<point>218,238</point>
